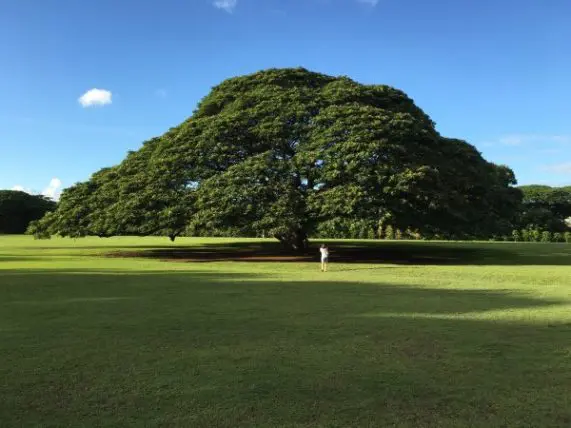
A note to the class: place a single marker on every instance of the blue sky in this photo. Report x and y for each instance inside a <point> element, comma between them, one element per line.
<point>494,72</point>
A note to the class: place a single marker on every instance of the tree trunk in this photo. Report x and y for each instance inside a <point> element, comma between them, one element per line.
<point>295,240</point>
<point>174,234</point>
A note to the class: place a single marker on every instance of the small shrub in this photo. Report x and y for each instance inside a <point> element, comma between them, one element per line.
<point>546,236</point>
<point>516,236</point>
<point>389,232</point>
<point>354,231</point>
<point>398,234</point>
<point>567,237</point>
<point>534,235</point>
<point>525,235</point>
<point>558,237</point>
<point>411,234</point>
<point>371,233</point>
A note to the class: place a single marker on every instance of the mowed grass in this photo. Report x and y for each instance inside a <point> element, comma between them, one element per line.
<point>424,335</point>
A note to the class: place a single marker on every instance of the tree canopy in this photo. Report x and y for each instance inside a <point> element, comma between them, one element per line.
<point>18,209</point>
<point>283,151</point>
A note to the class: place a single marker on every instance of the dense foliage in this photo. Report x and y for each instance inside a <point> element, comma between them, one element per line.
<point>18,209</point>
<point>288,153</point>
<point>546,208</point>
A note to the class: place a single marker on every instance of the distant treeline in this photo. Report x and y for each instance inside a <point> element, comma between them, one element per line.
<point>18,209</point>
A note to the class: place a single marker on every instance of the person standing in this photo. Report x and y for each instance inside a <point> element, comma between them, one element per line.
<point>324,257</point>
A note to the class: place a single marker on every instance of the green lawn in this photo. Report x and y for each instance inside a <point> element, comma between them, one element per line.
<point>202,333</point>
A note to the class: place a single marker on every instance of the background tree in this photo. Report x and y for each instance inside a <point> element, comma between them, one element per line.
<point>285,151</point>
<point>545,207</point>
<point>18,209</point>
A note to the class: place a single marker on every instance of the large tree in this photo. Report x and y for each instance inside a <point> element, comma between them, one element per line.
<point>18,209</point>
<point>279,152</point>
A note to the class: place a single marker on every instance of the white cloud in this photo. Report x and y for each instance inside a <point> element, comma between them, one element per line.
<point>53,190</point>
<point>512,140</point>
<point>20,188</point>
<point>369,2</point>
<point>96,97</point>
<point>520,139</point>
<point>227,5</point>
<point>550,151</point>
<point>559,168</point>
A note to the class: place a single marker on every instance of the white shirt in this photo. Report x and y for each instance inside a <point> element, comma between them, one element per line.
<point>324,252</point>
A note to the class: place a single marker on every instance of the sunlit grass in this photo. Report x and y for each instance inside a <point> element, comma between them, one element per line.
<point>427,334</point>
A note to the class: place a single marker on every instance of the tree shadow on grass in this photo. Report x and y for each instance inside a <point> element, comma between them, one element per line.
<point>405,253</point>
<point>89,274</point>
<point>18,258</point>
<point>216,349</point>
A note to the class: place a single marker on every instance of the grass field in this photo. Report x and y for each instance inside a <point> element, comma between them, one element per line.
<point>221,333</point>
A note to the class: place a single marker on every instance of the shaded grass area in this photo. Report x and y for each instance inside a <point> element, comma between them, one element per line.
<point>141,342</point>
<point>393,252</point>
